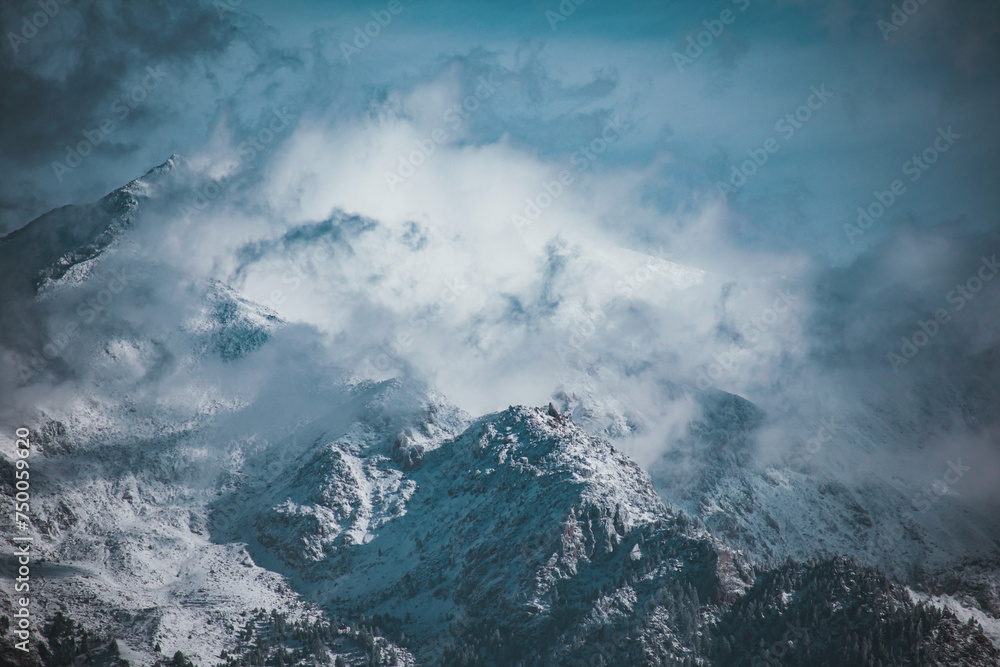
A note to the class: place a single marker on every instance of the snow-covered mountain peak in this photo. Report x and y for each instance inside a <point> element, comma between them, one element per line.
<point>212,460</point>
<point>70,239</point>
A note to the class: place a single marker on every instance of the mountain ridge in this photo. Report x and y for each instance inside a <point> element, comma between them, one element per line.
<point>182,504</point>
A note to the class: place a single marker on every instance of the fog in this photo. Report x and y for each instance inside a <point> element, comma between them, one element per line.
<point>511,212</point>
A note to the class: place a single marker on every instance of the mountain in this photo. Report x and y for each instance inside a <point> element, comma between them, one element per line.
<point>823,497</point>
<point>809,504</point>
<point>69,238</point>
<point>522,518</point>
<point>205,489</point>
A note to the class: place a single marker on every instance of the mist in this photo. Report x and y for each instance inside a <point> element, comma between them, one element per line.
<point>515,219</point>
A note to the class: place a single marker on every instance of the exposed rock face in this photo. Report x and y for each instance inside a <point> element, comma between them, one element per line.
<point>375,523</point>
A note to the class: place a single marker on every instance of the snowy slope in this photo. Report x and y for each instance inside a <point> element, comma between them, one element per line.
<point>523,517</point>
<point>203,483</point>
<point>124,469</point>
<point>817,502</point>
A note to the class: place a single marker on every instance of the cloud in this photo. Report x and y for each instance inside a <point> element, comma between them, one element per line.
<point>131,66</point>
<point>509,212</point>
